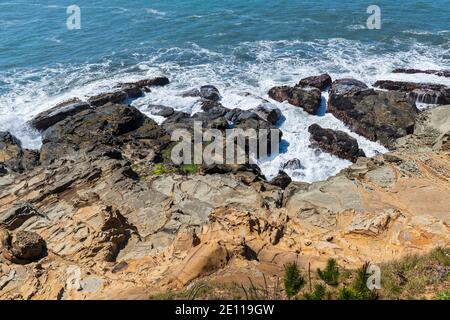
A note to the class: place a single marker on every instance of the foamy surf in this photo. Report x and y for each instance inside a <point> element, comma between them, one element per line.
<point>243,75</point>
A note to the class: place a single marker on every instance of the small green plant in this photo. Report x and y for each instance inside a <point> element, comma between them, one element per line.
<point>190,168</point>
<point>443,295</point>
<point>161,169</point>
<point>331,273</point>
<point>319,293</point>
<point>293,280</point>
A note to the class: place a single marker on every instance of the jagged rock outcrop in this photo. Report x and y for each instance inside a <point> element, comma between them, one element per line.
<point>420,92</point>
<point>337,143</point>
<point>377,115</point>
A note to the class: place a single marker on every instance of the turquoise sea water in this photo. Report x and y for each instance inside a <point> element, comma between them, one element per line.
<point>236,45</point>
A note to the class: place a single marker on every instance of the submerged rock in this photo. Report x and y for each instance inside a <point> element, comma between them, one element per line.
<point>377,115</point>
<point>293,164</point>
<point>337,143</point>
<point>109,97</point>
<point>268,112</point>
<point>320,82</point>
<point>420,92</point>
<point>59,112</point>
<point>308,98</point>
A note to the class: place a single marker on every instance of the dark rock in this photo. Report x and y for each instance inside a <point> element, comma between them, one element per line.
<point>268,112</point>
<point>133,91</point>
<point>320,82</point>
<point>210,93</point>
<point>344,86</point>
<point>14,217</point>
<point>160,110</point>
<point>27,246</point>
<point>113,154</point>
<point>337,143</point>
<point>154,82</point>
<point>109,97</point>
<point>440,73</point>
<point>377,115</point>
<point>100,129</point>
<point>282,180</point>
<point>59,112</point>
<point>308,98</point>
<point>293,164</point>
<point>191,93</point>
<point>420,92</point>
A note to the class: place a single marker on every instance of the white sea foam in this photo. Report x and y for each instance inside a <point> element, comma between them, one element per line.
<point>267,63</point>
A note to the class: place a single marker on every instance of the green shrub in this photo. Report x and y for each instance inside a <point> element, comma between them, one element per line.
<point>161,169</point>
<point>331,273</point>
<point>293,280</point>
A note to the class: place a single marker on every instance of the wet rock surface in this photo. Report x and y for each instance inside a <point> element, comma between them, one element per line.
<point>337,143</point>
<point>377,115</point>
<point>420,92</point>
<point>58,113</point>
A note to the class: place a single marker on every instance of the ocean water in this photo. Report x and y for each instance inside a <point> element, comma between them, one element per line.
<point>238,46</point>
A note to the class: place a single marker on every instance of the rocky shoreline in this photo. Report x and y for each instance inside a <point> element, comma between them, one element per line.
<point>102,198</point>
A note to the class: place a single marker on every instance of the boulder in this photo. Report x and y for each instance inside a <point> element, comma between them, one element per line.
<point>282,180</point>
<point>320,82</point>
<point>144,84</point>
<point>27,247</point>
<point>308,98</point>
<point>99,129</point>
<point>209,92</point>
<point>132,90</point>
<point>14,217</point>
<point>337,143</point>
<point>268,112</point>
<point>420,92</point>
<point>440,73</point>
<point>377,115</point>
<point>346,85</point>
<point>59,112</point>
